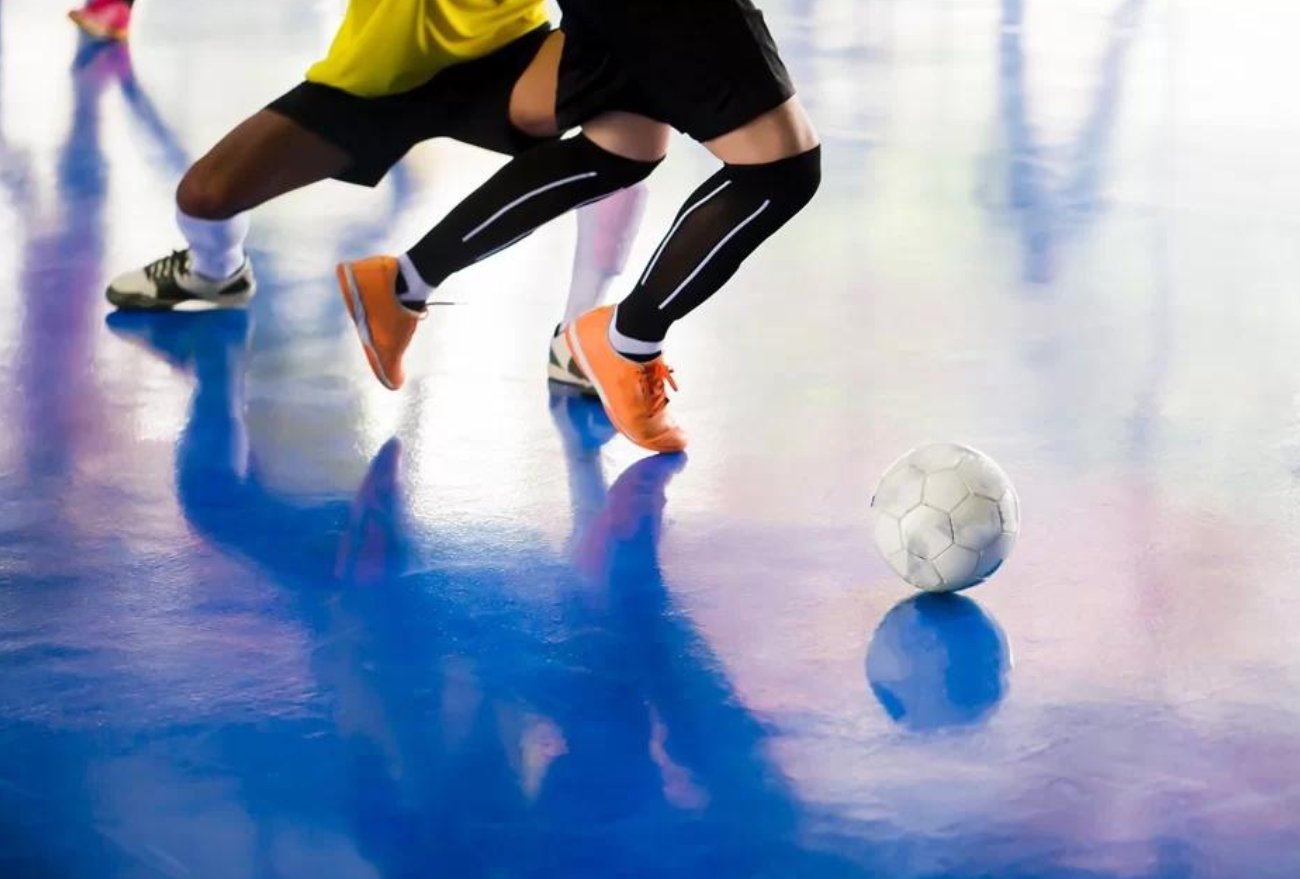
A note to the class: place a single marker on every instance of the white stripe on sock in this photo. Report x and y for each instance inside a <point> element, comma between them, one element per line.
<point>512,242</point>
<point>525,197</point>
<point>732,234</point>
<point>627,345</point>
<point>686,213</point>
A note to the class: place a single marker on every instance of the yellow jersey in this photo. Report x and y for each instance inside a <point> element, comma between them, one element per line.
<point>385,47</point>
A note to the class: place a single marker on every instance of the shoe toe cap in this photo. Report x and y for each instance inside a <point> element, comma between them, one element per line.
<point>130,284</point>
<point>671,440</point>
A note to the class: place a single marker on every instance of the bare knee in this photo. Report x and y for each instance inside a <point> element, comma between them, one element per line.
<point>534,120</point>
<point>629,135</point>
<point>777,134</point>
<point>532,101</point>
<point>206,195</point>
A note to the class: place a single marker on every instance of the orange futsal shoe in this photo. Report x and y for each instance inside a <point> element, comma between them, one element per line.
<point>633,393</point>
<point>369,288</point>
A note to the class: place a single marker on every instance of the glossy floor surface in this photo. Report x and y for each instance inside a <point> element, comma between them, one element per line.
<point>261,618</point>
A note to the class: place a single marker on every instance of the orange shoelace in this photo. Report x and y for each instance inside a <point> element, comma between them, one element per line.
<point>654,375</point>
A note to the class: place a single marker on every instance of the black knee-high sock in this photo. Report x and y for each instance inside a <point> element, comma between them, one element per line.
<point>535,188</point>
<point>721,224</point>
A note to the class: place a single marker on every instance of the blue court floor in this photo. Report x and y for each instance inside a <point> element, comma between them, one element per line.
<point>262,619</point>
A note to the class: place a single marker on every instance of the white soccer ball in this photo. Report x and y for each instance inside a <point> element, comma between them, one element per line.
<point>946,517</point>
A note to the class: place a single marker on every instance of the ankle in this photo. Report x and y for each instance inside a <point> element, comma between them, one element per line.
<point>629,346</point>
<point>412,290</point>
<point>217,268</point>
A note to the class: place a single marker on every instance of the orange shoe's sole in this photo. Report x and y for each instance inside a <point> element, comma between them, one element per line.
<point>357,311</point>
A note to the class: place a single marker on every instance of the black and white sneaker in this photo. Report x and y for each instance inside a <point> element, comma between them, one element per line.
<point>563,369</point>
<point>168,284</point>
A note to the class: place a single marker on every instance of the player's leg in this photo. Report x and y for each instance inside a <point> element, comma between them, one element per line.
<point>312,133</point>
<point>750,119</point>
<point>386,295</point>
<point>546,179</point>
<point>265,156</point>
<point>606,228</point>
<point>615,150</point>
<point>771,170</point>
<point>606,231</point>
<point>718,227</point>
<point>612,153</point>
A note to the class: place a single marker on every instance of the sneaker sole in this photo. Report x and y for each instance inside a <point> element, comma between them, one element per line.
<point>357,311</point>
<point>137,302</point>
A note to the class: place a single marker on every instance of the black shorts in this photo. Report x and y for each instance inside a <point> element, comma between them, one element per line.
<point>705,67</point>
<point>469,102</point>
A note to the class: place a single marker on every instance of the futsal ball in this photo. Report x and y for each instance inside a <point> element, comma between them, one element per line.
<point>946,517</point>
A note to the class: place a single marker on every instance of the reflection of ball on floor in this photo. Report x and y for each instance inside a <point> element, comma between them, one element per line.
<point>946,517</point>
<point>938,661</point>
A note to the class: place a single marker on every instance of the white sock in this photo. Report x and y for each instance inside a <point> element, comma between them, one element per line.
<point>606,231</point>
<point>586,291</point>
<point>216,246</point>
<point>417,291</point>
<point>627,345</point>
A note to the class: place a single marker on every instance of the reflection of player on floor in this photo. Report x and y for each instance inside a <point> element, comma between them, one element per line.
<point>464,71</point>
<point>627,72</point>
<point>461,728</point>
